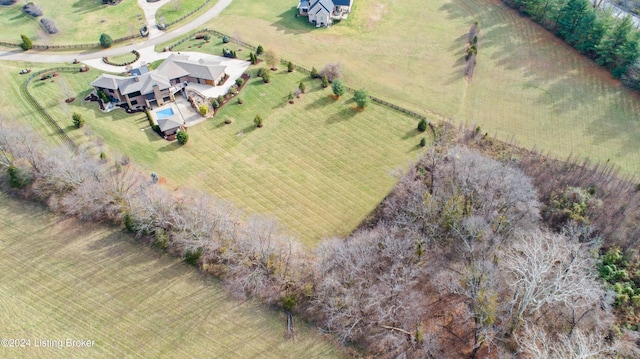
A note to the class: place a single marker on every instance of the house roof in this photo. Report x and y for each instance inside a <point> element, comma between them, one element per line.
<point>169,123</point>
<point>144,83</point>
<point>179,65</point>
<point>107,81</point>
<point>304,4</point>
<point>139,71</point>
<point>173,67</point>
<point>320,5</point>
<point>342,2</point>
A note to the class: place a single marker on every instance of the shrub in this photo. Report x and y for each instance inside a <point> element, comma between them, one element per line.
<point>240,101</point>
<point>203,109</point>
<point>266,76</point>
<point>192,255</point>
<point>422,125</point>
<point>288,302</point>
<point>239,81</point>
<point>291,96</point>
<point>302,87</point>
<point>214,103</point>
<point>258,121</point>
<point>259,50</point>
<point>423,142</point>
<point>129,223</point>
<point>182,137</point>
<point>106,40</point>
<point>361,97</point>
<point>103,156</point>
<point>233,90</point>
<point>332,71</point>
<point>156,128</point>
<point>338,88</point>
<point>290,66</point>
<point>206,37</point>
<point>325,81</point>
<point>314,73</point>
<point>220,100</point>
<point>259,72</point>
<point>225,39</point>
<point>26,43</point>
<point>78,121</point>
<point>253,58</point>
<point>18,177</point>
<point>161,239</point>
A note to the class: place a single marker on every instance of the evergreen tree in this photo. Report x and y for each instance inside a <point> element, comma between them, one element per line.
<point>619,48</point>
<point>26,43</point>
<point>338,88</point>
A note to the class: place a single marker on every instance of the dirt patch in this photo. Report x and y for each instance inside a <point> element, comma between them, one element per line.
<point>70,100</point>
<point>377,12</point>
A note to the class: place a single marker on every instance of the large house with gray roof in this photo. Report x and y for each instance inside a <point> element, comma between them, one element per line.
<point>324,12</point>
<point>145,88</point>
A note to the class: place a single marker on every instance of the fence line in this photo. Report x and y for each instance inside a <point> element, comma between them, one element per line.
<point>166,26</point>
<point>70,47</point>
<point>43,112</point>
<point>303,69</point>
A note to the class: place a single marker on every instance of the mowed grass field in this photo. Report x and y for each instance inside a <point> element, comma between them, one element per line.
<point>318,166</point>
<point>528,85</point>
<point>176,9</point>
<point>77,21</point>
<point>60,279</point>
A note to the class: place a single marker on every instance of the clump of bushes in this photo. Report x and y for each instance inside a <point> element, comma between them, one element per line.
<point>32,9</point>
<point>182,137</point>
<point>26,43</point>
<point>78,121</point>
<point>258,121</point>
<point>361,97</point>
<point>106,40</point>
<point>471,50</point>
<point>422,125</point>
<point>49,26</point>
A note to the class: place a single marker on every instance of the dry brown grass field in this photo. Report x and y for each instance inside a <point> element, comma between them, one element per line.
<point>528,85</point>
<point>60,278</point>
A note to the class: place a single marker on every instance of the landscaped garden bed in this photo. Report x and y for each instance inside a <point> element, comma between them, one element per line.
<point>122,60</point>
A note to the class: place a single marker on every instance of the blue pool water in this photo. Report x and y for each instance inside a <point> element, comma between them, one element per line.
<point>168,112</point>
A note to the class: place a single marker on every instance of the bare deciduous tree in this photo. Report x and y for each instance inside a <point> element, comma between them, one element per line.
<point>333,71</point>
<point>547,270</point>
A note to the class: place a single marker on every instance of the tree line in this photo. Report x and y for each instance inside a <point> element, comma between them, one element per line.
<point>595,32</point>
<point>457,262</point>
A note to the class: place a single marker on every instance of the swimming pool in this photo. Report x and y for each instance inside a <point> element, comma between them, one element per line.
<point>168,112</point>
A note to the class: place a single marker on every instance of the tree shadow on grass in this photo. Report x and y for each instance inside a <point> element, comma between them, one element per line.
<point>344,115</point>
<point>413,133</point>
<point>171,147</point>
<point>152,135</point>
<point>247,130</point>
<point>290,23</point>
<point>320,102</point>
<point>21,16</point>
<point>83,6</point>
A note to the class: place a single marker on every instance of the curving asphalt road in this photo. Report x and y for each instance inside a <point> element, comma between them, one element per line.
<point>154,39</point>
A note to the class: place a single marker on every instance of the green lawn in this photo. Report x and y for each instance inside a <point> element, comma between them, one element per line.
<point>175,9</point>
<point>121,59</point>
<point>63,279</point>
<point>77,21</point>
<point>319,166</point>
<point>528,85</point>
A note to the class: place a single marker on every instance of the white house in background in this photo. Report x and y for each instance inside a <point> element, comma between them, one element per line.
<point>324,12</point>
